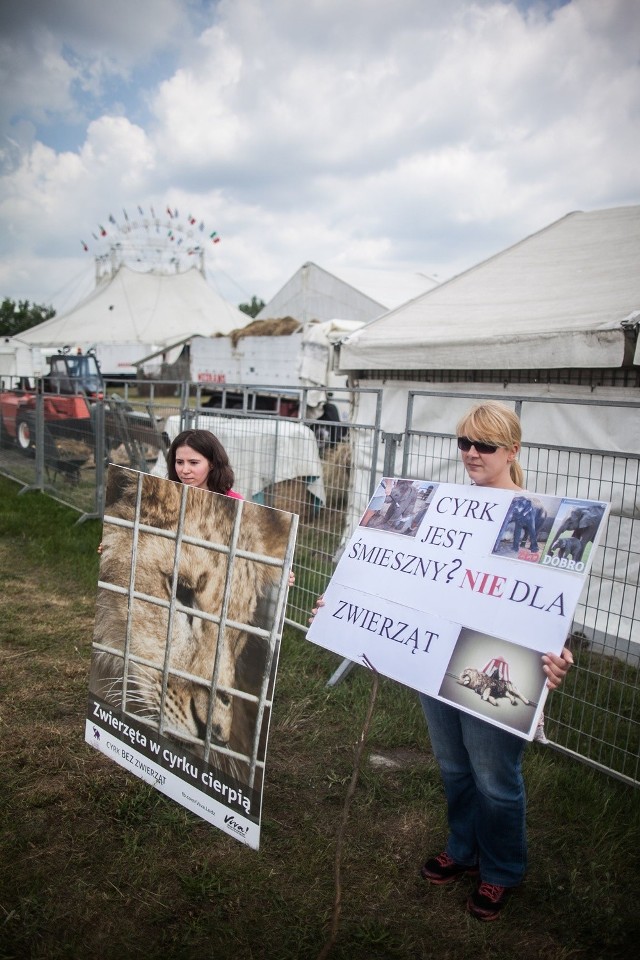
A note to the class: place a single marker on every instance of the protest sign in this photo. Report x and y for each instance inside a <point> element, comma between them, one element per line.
<point>189,617</point>
<point>456,590</point>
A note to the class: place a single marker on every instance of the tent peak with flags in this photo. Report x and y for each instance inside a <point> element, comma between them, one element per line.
<point>132,313</point>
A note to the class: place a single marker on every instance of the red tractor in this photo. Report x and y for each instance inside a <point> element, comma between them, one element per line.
<point>69,393</point>
<point>70,383</point>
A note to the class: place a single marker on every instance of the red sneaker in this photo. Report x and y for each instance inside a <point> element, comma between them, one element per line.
<point>486,902</point>
<point>442,869</point>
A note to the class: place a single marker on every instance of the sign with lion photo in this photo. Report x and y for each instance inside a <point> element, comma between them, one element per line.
<point>191,599</point>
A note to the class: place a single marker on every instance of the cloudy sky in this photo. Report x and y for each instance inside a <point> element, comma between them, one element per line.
<point>377,139</point>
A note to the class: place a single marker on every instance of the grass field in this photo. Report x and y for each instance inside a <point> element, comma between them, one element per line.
<point>97,865</point>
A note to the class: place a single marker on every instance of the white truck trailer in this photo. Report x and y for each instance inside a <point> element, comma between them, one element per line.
<point>269,356</point>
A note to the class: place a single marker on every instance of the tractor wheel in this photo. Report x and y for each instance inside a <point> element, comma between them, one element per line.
<point>25,434</point>
<point>6,440</point>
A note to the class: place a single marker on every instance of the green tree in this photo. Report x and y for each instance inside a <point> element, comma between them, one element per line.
<point>16,317</point>
<point>253,308</point>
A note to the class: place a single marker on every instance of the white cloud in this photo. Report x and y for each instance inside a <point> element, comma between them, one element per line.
<point>127,32</point>
<point>417,135</point>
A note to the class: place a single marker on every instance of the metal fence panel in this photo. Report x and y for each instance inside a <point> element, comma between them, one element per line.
<point>296,464</point>
<point>48,443</point>
<point>594,715</point>
<point>60,444</point>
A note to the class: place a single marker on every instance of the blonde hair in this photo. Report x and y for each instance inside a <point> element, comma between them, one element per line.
<point>493,422</point>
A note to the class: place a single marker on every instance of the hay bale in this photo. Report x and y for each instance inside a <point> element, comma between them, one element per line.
<point>336,473</point>
<point>69,448</point>
<point>280,327</point>
<point>292,496</point>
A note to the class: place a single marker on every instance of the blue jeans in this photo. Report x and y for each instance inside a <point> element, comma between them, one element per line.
<point>481,767</point>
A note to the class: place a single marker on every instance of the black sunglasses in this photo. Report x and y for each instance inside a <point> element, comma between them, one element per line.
<point>465,445</point>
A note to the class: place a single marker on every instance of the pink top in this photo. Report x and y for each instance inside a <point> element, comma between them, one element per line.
<point>234,494</point>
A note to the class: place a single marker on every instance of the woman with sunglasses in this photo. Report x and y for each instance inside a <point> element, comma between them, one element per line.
<point>481,765</point>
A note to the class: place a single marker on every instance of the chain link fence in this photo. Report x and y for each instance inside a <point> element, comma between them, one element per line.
<point>595,714</point>
<point>325,472</point>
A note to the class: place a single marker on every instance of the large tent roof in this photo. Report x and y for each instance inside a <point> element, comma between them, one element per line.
<point>560,298</point>
<point>315,294</point>
<point>391,287</point>
<point>143,308</point>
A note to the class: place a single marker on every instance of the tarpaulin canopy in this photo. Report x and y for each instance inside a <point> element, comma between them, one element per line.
<point>563,297</point>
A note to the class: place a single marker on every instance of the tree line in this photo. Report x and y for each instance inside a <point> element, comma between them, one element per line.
<point>16,316</point>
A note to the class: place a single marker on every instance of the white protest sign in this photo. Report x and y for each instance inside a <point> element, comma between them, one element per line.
<point>456,590</point>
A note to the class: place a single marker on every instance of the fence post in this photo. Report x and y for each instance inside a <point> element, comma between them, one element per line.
<point>186,415</point>
<point>39,438</point>
<point>100,455</point>
<point>391,441</point>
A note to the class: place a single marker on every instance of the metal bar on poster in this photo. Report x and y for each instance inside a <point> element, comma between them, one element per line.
<point>222,628</point>
<point>275,633</point>
<point>132,580</point>
<point>184,491</point>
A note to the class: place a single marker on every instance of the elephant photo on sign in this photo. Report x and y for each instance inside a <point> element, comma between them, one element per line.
<point>582,526</point>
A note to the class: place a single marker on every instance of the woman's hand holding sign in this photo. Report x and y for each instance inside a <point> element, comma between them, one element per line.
<point>556,667</point>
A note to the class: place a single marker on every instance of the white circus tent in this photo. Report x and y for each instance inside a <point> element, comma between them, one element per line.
<point>566,297</point>
<point>314,294</point>
<point>131,314</point>
<point>551,325</point>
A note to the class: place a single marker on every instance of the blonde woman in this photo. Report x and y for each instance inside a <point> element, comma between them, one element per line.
<point>480,764</point>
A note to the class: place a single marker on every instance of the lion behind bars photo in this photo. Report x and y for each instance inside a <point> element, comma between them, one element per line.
<point>490,688</point>
<point>146,567</point>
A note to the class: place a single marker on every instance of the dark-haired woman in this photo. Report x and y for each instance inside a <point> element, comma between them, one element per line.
<point>197,458</point>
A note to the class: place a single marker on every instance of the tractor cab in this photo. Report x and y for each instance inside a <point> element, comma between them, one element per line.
<point>74,373</point>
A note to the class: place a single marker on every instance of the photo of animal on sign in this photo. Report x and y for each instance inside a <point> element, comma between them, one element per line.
<point>500,681</point>
<point>407,604</point>
<point>549,530</point>
<point>398,506</point>
<point>189,614</point>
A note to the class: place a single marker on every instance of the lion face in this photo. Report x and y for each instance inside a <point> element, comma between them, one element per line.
<point>468,677</point>
<point>191,650</point>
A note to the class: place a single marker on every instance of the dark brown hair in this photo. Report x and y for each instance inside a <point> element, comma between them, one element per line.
<point>221,475</point>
